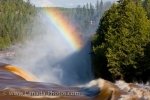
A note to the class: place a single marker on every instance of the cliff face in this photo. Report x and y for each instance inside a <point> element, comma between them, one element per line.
<point>16,84</point>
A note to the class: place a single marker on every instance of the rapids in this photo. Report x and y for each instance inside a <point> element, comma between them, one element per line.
<point>17,84</point>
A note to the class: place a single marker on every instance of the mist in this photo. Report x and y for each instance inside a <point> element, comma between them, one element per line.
<point>47,56</point>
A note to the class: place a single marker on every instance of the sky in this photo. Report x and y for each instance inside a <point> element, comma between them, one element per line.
<point>64,3</point>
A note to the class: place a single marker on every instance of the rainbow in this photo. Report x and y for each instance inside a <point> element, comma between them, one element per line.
<point>69,33</point>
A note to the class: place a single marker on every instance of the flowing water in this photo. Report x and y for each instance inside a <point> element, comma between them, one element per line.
<point>17,84</point>
<point>55,58</point>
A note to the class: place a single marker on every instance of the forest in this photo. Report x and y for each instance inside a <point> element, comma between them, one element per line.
<point>14,16</point>
<point>17,17</point>
<point>120,44</point>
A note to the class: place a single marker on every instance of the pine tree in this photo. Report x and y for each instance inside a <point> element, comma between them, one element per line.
<point>146,5</point>
<point>97,5</point>
<point>101,6</point>
<point>120,40</point>
<point>14,14</point>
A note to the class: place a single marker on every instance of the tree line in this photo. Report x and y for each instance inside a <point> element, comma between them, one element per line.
<point>16,19</point>
<point>85,18</point>
<point>14,15</point>
<point>121,45</point>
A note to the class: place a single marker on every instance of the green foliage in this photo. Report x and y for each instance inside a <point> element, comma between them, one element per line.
<point>85,18</point>
<point>14,14</point>
<point>146,5</point>
<point>123,34</point>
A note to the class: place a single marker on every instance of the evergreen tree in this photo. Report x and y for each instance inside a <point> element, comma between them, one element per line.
<point>146,5</point>
<point>120,40</point>
<point>97,5</point>
<point>101,6</point>
<point>14,15</point>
